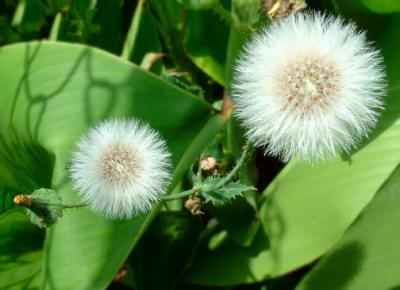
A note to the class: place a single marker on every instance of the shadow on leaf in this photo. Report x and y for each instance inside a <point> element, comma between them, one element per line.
<point>338,269</point>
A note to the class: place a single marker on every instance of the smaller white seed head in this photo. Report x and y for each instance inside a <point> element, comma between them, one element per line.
<point>309,86</point>
<point>120,168</point>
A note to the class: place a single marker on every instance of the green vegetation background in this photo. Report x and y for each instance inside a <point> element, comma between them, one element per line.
<point>65,65</point>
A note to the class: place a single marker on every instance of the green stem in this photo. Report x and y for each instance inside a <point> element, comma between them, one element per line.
<point>64,206</point>
<point>55,28</point>
<point>247,152</point>
<point>74,205</point>
<point>178,195</point>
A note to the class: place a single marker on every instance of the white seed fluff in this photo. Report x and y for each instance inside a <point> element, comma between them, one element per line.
<point>309,86</point>
<point>120,168</point>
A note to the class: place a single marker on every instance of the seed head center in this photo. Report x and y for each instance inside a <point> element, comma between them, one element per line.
<point>307,82</point>
<point>119,165</point>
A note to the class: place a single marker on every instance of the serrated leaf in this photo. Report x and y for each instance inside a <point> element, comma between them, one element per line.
<point>46,208</point>
<point>228,192</point>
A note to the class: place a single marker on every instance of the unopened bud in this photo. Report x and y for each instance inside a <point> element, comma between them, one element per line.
<point>208,164</point>
<point>23,200</point>
<point>280,8</point>
<point>193,204</point>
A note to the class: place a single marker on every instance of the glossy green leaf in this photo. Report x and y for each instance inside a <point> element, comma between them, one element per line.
<point>76,24</point>
<point>367,256</point>
<point>231,263</point>
<point>52,93</point>
<point>205,40</point>
<point>168,18</point>
<point>165,250</point>
<point>239,218</point>
<point>20,251</point>
<point>108,19</point>
<point>382,6</point>
<point>6,199</point>
<point>308,208</point>
<point>141,28</point>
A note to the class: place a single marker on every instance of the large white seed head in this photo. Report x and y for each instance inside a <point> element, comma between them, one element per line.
<point>309,86</point>
<point>120,168</point>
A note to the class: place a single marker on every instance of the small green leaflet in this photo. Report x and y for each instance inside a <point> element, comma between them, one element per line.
<point>46,207</point>
<point>222,195</point>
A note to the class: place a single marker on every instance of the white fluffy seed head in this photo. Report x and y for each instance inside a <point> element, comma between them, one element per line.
<point>309,86</point>
<point>120,168</point>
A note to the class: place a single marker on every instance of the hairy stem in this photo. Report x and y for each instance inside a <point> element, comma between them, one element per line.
<point>178,195</point>
<point>64,206</point>
<point>78,205</point>
<point>247,152</point>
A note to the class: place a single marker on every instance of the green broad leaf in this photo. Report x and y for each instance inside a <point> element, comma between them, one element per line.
<point>108,19</point>
<point>198,4</point>
<point>206,27</point>
<point>367,256</point>
<point>20,251</point>
<point>166,250</point>
<point>46,208</point>
<point>239,219</point>
<point>382,6</point>
<point>137,50</point>
<point>6,199</point>
<point>77,23</point>
<point>51,94</point>
<point>28,16</point>
<point>225,194</point>
<point>167,17</point>
<point>230,263</point>
<point>307,209</point>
